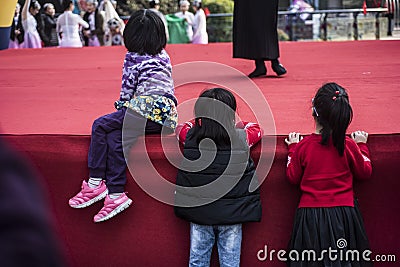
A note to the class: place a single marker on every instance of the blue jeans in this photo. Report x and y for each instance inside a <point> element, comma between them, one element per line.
<point>203,237</point>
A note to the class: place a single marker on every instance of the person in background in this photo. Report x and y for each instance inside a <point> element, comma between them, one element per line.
<point>94,34</point>
<point>29,23</point>
<point>391,6</point>
<point>154,5</point>
<point>188,16</point>
<point>216,199</point>
<point>48,22</point>
<point>59,5</point>
<point>301,6</point>
<point>68,27</point>
<point>77,8</point>
<point>255,34</point>
<point>82,6</point>
<point>27,232</point>
<point>325,165</point>
<point>17,31</point>
<point>200,35</point>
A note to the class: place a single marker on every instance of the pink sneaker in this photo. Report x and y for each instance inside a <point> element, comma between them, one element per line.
<point>112,207</point>
<point>87,196</point>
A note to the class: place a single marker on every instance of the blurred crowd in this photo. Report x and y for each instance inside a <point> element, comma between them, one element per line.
<point>77,23</point>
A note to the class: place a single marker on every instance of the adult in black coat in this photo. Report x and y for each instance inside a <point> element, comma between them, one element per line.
<point>255,34</point>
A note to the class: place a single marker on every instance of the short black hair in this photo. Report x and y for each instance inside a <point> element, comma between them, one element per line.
<point>145,33</point>
<point>67,4</point>
<point>153,4</point>
<point>197,4</point>
<point>34,5</point>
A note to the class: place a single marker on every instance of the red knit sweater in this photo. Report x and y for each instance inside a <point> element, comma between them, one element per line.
<point>325,177</point>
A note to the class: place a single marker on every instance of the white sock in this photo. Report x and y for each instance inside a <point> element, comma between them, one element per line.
<point>115,195</point>
<point>94,182</point>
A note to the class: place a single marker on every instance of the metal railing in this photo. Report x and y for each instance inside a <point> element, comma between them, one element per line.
<point>292,15</point>
<point>219,26</point>
<point>354,12</point>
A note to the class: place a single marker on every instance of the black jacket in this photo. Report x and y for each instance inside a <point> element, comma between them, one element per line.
<point>230,185</point>
<point>19,27</point>
<point>47,30</point>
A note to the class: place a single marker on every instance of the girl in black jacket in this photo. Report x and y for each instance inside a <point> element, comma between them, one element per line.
<point>17,31</point>
<point>213,183</point>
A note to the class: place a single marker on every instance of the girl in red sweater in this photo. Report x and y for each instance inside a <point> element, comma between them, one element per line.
<point>328,228</point>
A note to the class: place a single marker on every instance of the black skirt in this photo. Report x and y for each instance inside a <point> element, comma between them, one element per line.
<point>336,235</point>
<point>255,33</point>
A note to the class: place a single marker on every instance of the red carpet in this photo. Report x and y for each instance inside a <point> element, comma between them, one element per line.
<point>51,96</point>
<point>71,87</point>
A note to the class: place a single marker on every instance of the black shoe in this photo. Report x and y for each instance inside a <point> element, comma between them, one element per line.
<point>257,73</point>
<point>278,68</point>
<point>260,70</point>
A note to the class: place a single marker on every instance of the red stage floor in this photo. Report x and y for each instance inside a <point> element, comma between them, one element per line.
<point>61,91</point>
<point>49,98</point>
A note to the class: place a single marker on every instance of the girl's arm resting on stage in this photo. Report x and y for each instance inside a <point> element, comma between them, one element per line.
<point>253,131</point>
<point>182,130</point>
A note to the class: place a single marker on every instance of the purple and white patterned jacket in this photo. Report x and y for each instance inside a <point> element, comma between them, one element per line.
<point>146,75</point>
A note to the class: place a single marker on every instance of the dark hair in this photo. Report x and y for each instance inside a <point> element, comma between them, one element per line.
<point>34,5</point>
<point>67,4</point>
<point>332,110</point>
<point>145,33</point>
<point>197,4</point>
<point>215,116</point>
<point>46,6</point>
<point>153,4</point>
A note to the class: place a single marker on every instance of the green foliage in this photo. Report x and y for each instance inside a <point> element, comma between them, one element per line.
<point>166,6</point>
<point>171,6</point>
<point>219,28</point>
<point>282,35</point>
<point>219,6</point>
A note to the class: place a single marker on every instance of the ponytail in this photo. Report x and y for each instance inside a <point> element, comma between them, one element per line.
<point>334,113</point>
<point>340,118</point>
